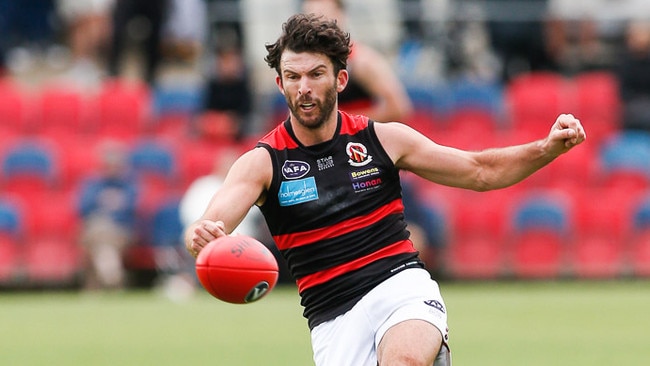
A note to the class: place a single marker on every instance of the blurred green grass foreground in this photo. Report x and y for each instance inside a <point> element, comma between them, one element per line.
<point>492,323</point>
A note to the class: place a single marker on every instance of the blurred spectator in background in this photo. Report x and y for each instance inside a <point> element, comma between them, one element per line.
<point>198,194</point>
<point>374,88</point>
<point>87,29</point>
<point>226,20</point>
<point>141,21</point>
<point>107,206</point>
<point>25,26</point>
<point>518,37</point>
<point>585,35</point>
<point>634,76</point>
<point>228,98</point>
<point>185,30</point>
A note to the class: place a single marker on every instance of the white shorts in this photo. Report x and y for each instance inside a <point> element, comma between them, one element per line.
<point>351,339</point>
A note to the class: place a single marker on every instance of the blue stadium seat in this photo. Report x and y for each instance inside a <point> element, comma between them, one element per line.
<point>166,226</point>
<point>11,220</point>
<point>153,157</point>
<point>542,211</point>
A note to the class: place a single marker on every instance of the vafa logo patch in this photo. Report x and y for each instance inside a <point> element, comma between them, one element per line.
<point>294,169</point>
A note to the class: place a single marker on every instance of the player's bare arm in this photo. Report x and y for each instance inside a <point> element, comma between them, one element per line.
<point>244,186</point>
<point>484,170</point>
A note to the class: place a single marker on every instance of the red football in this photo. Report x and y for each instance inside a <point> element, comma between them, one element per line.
<point>237,269</point>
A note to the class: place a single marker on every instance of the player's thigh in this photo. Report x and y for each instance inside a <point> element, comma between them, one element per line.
<point>411,342</point>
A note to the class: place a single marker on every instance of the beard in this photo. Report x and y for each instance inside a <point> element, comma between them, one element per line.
<point>321,112</point>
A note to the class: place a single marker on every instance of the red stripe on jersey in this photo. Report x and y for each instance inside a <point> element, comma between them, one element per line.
<point>404,246</point>
<point>294,240</point>
<point>358,123</point>
<point>279,139</point>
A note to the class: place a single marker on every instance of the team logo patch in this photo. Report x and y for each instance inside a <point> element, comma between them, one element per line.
<point>293,169</point>
<point>358,154</point>
<point>297,191</point>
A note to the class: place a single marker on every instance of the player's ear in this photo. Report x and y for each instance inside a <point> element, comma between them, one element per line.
<point>342,80</point>
<point>278,82</point>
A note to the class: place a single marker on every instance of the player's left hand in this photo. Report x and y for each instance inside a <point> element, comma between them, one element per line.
<point>567,132</point>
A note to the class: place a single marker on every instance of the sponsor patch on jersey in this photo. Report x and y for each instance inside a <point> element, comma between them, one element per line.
<point>293,169</point>
<point>358,154</point>
<point>363,174</point>
<point>367,179</point>
<point>325,163</point>
<point>295,192</point>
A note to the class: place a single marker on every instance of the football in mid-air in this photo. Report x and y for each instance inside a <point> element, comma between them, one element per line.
<point>237,269</point>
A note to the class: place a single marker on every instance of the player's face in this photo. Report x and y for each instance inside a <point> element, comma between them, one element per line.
<point>310,87</point>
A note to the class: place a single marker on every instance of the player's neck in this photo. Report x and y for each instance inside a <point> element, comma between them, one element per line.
<point>313,136</point>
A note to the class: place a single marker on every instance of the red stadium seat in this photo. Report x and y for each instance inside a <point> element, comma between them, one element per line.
<point>476,248</point>
<point>470,129</point>
<point>639,253</point>
<point>61,110</point>
<point>15,108</point>
<point>123,110</point>
<point>597,256</point>
<point>538,254</point>
<point>52,261</point>
<point>10,260</point>
<point>534,100</point>
<point>598,103</point>
<point>540,234</point>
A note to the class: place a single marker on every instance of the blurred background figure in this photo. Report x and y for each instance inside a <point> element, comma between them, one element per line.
<point>520,41</point>
<point>87,30</point>
<point>27,28</point>
<point>634,76</point>
<point>185,30</point>
<point>142,22</point>
<point>228,94</point>
<point>198,194</point>
<point>107,206</point>
<point>374,88</point>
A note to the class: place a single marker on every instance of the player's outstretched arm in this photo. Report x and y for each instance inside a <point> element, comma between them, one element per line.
<point>483,170</point>
<point>244,186</point>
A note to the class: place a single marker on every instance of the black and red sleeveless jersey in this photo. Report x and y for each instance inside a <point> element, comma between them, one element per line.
<point>335,211</point>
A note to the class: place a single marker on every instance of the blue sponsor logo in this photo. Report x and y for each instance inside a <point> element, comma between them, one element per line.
<point>293,169</point>
<point>297,191</point>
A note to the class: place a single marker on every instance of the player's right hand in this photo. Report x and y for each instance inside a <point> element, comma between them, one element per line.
<point>202,233</point>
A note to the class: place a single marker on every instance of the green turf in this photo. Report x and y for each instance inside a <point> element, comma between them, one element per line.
<point>526,323</point>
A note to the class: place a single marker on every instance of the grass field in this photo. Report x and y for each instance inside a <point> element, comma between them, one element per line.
<point>517,323</point>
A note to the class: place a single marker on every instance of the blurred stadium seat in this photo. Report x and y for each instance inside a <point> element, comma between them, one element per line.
<point>598,103</point>
<point>11,230</point>
<point>123,109</point>
<point>61,110</point>
<point>15,109</point>
<point>477,242</point>
<point>52,261</point>
<point>534,100</point>
<point>638,244</point>
<point>623,161</point>
<point>540,234</point>
<point>30,164</point>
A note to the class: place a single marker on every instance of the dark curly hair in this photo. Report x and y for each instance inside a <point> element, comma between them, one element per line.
<point>311,33</point>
